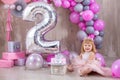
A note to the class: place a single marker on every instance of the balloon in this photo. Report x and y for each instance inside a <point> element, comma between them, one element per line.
<point>72,55</point>
<point>116,69</point>
<point>99,25</point>
<point>78,8</point>
<point>81,25</point>
<point>58,3</point>
<point>90,30</point>
<point>66,53</point>
<point>92,1</point>
<point>27,1</point>
<point>95,8</point>
<point>8,1</point>
<point>71,9</point>
<point>101,59</point>
<point>81,35</point>
<point>87,15</point>
<point>35,41</point>
<point>65,4</point>
<point>101,33</point>
<point>34,61</point>
<point>98,40</point>
<point>78,0</point>
<point>95,17</point>
<point>81,18</point>
<point>86,8</point>
<point>96,33</point>
<point>90,23</point>
<point>73,3</point>
<point>99,46</point>
<point>91,36</point>
<point>19,7</point>
<point>74,17</point>
<point>86,2</point>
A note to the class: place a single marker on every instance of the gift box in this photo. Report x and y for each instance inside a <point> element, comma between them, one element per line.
<point>13,46</point>
<point>58,65</point>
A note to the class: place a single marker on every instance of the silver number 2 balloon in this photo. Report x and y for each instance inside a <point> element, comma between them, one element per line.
<point>35,41</point>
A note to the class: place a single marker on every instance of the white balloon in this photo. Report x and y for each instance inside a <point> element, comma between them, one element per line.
<point>96,33</point>
<point>34,61</point>
<point>78,0</point>
<point>35,41</point>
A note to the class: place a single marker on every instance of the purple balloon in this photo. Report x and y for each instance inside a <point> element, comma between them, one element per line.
<point>99,25</point>
<point>74,17</point>
<point>101,59</point>
<point>65,4</point>
<point>87,15</point>
<point>95,8</point>
<point>116,69</point>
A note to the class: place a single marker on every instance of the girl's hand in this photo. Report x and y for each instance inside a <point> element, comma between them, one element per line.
<point>92,56</point>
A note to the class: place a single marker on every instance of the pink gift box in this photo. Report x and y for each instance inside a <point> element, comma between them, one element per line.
<point>6,63</point>
<point>13,55</point>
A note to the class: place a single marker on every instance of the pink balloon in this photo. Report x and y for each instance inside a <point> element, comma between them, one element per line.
<point>58,3</point>
<point>73,3</point>
<point>74,17</point>
<point>65,4</point>
<point>92,1</point>
<point>70,0</point>
<point>71,9</point>
<point>8,1</point>
<point>84,28</point>
<point>101,59</point>
<point>116,69</point>
<point>92,36</point>
<point>87,15</point>
<point>95,7</point>
<point>81,25</point>
<point>99,25</point>
<point>66,52</point>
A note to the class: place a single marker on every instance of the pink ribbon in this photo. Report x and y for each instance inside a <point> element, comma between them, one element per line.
<point>8,26</point>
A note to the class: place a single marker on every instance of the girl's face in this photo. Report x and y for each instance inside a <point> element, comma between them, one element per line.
<point>87,47</point>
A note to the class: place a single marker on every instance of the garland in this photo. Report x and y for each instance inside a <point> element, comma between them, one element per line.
<point>84,13</point>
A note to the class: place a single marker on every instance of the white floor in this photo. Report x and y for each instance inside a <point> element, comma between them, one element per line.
<point>19,73</point>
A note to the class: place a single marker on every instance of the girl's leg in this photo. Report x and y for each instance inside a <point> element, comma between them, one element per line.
<point>107,71</point>
<point>84,70</point>
<point>70,68</point>
<point>101,70</point>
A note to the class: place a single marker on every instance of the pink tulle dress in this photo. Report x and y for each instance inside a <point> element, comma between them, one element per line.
<point>84,66</point>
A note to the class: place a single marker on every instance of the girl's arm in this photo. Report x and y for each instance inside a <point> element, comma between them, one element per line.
<point>92,56</point>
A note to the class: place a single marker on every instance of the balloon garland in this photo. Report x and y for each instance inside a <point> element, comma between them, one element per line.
<point>84,13</point>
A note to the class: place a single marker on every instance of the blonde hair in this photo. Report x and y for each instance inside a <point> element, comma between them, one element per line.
<point>88,41</point>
